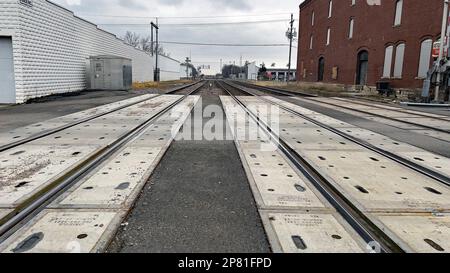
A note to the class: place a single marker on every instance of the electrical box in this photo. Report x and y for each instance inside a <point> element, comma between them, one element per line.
<point>110,73</point>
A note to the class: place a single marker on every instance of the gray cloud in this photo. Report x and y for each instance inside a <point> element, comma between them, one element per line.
<point>249,33</point>
<point>132,4</point>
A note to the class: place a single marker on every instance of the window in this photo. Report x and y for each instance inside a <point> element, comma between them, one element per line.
<point>311,42</point>
<point>312,18</point>
<point>351,27</point>
<point>330,9</point>
<point>388,62</point>
<point>328,36</point>
<point>399,56</point>
<point>353,2</point>
<point>398,13</point>
<point>425,55</point>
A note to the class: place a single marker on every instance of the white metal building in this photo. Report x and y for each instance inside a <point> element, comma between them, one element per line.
<point>44,50</point>
<point>185,71</point>
<point>169,69</point>
<point>252,71</point>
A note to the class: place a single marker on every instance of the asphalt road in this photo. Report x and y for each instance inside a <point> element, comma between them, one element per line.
<point>15,116</point>
<point>197,201</point>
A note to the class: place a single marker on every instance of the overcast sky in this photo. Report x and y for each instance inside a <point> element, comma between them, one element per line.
<point>131,11</point>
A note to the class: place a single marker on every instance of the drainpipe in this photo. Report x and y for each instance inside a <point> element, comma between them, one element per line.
<point>441,49</point>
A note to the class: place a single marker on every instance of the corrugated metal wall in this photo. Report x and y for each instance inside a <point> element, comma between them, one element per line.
<point>169,69</point>
<point>51,47</point>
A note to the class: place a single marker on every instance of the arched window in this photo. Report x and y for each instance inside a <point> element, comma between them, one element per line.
<point>388,61</point>
<point>399,57</point>
<point>313,15</point>
<point>321,69</point>
<point>398,12</point>
<point>351,27</point>
<point>328,36</point>
<point>425,56</point>
<point>330,9</point>
<point>311,42</point>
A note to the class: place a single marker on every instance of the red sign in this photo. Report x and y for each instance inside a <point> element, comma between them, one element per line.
<point>436,49</point>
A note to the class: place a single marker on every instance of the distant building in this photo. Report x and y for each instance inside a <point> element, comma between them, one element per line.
<point>353,43</point>
<point>252,71</point>
<point>280,74</point>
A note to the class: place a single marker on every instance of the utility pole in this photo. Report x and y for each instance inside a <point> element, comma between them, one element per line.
<point>444,38</point>
<point>156,72</point>
<point>290,35</point>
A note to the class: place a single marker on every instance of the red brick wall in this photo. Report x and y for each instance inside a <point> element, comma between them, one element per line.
<point>373,31</point>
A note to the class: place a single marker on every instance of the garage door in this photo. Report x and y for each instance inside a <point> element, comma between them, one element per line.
<point>7,86</point>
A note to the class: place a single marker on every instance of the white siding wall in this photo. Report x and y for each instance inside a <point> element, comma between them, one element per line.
<point>51,47</point>
<point>183,73</point>
<point>169,69</point>
<point>252,71</point>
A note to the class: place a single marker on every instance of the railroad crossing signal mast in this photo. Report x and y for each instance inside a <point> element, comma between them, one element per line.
<point>188,61</point>
<point>290,34</point>
<point>439,71</point>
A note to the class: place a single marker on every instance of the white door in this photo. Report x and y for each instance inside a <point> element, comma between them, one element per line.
<point>99,79</point>
<point>7,84</point>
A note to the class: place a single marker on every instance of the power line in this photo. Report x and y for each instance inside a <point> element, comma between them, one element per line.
<point>197,24</point>
<point>180,17</point>
<point>217,44</point>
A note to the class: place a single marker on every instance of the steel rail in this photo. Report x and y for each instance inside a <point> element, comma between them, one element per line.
<point>36,203</point>
<point>81,121</point>
<point>401,110</point>
<point>368,231</point>
<point>399,159</point>
<point>385,117</point>
<point>349,108</point>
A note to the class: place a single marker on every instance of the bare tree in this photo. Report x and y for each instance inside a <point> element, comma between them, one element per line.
<point>146,44</point>
<point>143,43</point>
<point>162,52</point>
<point>132,39</point>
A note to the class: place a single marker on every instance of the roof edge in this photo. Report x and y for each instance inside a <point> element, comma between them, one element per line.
<point>305,3</point>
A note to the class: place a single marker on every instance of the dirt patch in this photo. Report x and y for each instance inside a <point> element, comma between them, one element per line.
<point>159,85</point>
<point>25,169</point>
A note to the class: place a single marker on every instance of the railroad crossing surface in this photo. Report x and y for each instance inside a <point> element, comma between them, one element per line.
<point>224,166</point>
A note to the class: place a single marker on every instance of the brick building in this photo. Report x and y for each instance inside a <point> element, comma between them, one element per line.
<point>355,42</point>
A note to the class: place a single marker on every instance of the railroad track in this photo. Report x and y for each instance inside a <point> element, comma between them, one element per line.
<point>375,104</point>
<point>364,222</point>
<point>444,179</point>
<point>367,230</point>
<point>446,131</point>
<point>339,103</point>
<point>68,125</point>
<point>37,201</point>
